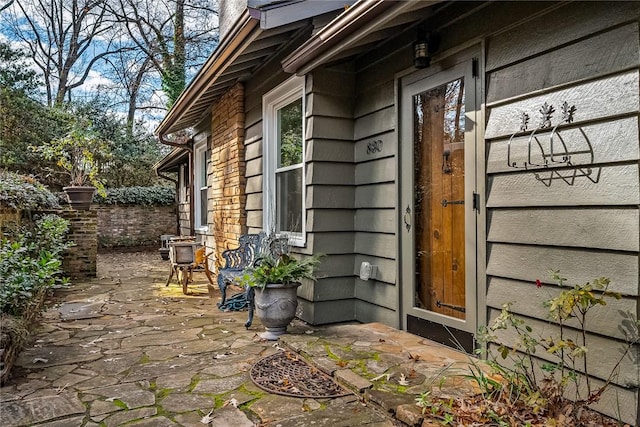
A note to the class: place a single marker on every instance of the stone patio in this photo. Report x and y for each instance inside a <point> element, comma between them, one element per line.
<point>125,349</point>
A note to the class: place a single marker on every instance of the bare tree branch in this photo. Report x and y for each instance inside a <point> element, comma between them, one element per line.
<point>60,35</point>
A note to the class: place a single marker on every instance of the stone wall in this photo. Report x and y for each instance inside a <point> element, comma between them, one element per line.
<point>134,225</point>
<point>227,179</point>
<point>80,260</point>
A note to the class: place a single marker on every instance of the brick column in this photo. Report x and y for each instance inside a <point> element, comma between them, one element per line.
<point>227,195</point>
<point>80,260</point>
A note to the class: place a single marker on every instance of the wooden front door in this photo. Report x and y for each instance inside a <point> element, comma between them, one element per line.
<point>438,192</point>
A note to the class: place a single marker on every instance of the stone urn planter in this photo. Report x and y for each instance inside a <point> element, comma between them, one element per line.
<point>79,197</point>
<point>275,281</point>
<point>275,306</point>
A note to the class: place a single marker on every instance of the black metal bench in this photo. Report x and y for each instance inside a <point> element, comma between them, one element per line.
<point>251,248</point>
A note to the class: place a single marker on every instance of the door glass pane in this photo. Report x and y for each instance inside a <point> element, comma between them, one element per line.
<point>290,134</point>
<point>289,200</point>
<point>439,126</point>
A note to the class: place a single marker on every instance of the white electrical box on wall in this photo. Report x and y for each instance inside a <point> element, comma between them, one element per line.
<point>368,271</point>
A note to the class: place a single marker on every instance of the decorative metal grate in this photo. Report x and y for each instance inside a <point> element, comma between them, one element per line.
<point>288,374</point>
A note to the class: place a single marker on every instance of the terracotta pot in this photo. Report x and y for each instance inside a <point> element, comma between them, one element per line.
<point>79,197</point>
<point>276,306</point>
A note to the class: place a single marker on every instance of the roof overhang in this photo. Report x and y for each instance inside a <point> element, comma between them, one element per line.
<point>273,14</point>
<point>261,32</point>
<point>365,24</point>
<point>196,99</point>
<point>172,161</point>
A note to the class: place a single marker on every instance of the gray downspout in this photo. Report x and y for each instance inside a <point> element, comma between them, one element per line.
<point>192,176</point>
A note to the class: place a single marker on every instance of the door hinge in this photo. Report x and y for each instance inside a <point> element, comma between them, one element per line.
<point>475,68</point>
<point>476,201</point>
<point>459,308</point>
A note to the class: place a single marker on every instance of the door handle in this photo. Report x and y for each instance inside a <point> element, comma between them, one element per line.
<point>407,218</point>
<point>446,165</point>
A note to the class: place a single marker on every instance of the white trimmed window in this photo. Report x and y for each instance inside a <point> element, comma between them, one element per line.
<point>201,159</point>
<point>284,153</point>
<point>184,183</point>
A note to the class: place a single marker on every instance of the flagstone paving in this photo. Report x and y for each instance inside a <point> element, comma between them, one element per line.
<point>123,349</point>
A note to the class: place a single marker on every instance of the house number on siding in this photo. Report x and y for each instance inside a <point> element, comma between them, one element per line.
<point>374,146</point>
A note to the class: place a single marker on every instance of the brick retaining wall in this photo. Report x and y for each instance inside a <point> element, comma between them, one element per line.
<point>134,225</point>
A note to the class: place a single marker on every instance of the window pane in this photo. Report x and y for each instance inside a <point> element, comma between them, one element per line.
<point>290,134</point>
<point>203,169</point>
<point>203,206</point>
<point>289,200</point>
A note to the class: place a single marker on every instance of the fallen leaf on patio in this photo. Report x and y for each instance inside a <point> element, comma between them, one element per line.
<point>381,340</point>
<point>342,363</point>
<point>207,418</point>
<point>379,377</point>
<point>40,360</point>
<point>90,343</point>
<point>233,402</point>
<point>403,380</point>
<point>415,357</point>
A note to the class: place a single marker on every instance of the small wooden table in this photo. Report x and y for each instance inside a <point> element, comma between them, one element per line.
<point>183,258</point>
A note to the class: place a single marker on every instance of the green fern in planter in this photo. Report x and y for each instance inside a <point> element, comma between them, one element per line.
<point>283,269</point>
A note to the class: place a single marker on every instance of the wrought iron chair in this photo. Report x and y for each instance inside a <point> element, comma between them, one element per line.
<point>252,247</point>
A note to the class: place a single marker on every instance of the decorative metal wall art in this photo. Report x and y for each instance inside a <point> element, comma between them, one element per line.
<point>553,156</point>
<point>545,148</point>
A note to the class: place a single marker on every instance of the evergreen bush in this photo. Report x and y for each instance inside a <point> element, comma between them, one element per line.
<point>24,193</point>
<point>31,263</point>
<point>145,196</point>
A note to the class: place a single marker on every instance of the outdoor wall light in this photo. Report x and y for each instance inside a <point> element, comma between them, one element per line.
<point>423,48</point>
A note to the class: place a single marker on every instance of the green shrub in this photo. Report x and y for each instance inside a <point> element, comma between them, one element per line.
<point>145,196</point>
<point>568,363</point>
<point>30,263</point>
<point>24,193</point>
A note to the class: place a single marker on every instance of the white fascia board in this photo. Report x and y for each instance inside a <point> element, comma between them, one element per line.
<point>279,14</point>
